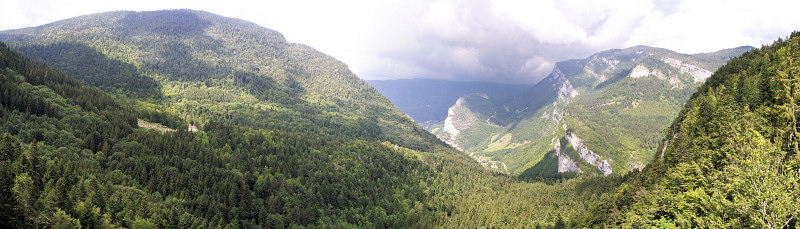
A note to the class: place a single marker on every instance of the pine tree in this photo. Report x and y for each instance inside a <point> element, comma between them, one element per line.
<point>7,201</point>
<point>9,149</point>
<point>24,193</point>
<point>789,81</point>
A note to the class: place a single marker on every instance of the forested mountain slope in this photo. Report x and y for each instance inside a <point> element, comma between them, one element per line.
<point>731,157</point>
<point>212,68</point>
<point>600,115</point>
<point>71,156</point>
<point>427,100</point>
<point>292,139</point>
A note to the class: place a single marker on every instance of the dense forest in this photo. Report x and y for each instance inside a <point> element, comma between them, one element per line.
<point>76,159</point>
<point>212,68</point>
<point>290,138</point>
<point>730,158</point>
<point>269,154</point>
<point>614,104</point>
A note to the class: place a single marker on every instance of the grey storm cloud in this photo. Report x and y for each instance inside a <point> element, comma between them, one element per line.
<point>481,40</point>
<point>507,41</point>
<point>519,42</point>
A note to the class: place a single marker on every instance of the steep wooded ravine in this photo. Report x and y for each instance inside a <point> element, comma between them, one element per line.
<point>600,115</point>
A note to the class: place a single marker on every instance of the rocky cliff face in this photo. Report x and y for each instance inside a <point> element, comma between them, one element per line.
<point>565,163</point>
<point>458,119</point>
<point>697,73</point>
<point>587,155</point>
<point>566,93</point>
<point>609,109</point>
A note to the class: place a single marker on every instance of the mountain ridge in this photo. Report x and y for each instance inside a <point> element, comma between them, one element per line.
<point>275,145</point>
<point>161,54</point>
<point>288,137</point>
<point>729,159</point>
<point>296,140</point>
<point>580,97</point>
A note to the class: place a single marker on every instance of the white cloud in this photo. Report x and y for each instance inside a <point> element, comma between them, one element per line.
<point>705,26</point>
<point>541,19</point>
<point>489,40</point>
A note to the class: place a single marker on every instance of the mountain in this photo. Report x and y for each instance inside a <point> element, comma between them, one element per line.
<point>427,101</point>
<point>600,115</point>
<point>729,159</point>
<point>204,65</point>
<point>185,119</point>
<point>272,151</point>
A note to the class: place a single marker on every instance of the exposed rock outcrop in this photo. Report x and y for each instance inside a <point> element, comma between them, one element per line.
<point>456,121</point>
<point>641,71</point>
<point>575,90</point>
<point>565,164</point>
<point>697,73</point>
<point>587,155</point>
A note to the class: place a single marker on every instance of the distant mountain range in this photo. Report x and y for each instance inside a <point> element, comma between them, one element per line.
<point>730,157</point>
<point>427,101</point>
<point>96,110</point>
<point>288,135</point>
<point>600,115</point>
<point>95,133</point>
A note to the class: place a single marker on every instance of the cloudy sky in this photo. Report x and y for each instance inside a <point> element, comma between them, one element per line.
<point>470,40</point>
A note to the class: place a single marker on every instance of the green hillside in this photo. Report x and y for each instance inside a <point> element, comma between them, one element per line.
<point>211,68</point>
<point>611,107</point>
<point>95,133</point>
<point>288,137</point>
<point>72,156</point>
<point>730,158</point>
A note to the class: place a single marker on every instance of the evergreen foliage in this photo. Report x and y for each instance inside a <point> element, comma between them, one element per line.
<point>618,102</point>
<point>291,139</point>
<point>730,158</point>
<point>204,67</point>
<point>308,146</point>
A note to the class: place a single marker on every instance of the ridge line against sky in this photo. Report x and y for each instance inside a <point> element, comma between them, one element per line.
<point>469,40</point>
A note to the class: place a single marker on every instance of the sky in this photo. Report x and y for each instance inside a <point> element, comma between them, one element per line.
<point>469,40</point>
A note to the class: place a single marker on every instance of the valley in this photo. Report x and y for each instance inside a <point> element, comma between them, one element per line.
<point>294,141</point>
<point>190,119</point>
<point>427,101</point>
<point>610,109</point>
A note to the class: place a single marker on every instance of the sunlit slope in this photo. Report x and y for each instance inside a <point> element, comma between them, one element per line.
<point>611,109</point>
<point>208,67</point>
